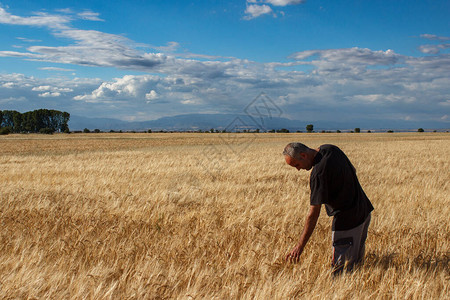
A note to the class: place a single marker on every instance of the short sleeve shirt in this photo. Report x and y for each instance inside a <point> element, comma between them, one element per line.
<point>334,183</point>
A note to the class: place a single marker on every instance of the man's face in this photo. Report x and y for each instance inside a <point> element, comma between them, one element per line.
<point>303,163</point>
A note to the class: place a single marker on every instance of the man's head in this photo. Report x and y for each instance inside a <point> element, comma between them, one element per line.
<point>299,156</point>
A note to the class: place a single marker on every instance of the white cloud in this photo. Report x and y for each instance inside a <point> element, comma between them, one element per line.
<point>257,8</point>
<point>284,2</point>
<point>433,49</point>
<point>95,48</point>
<point>171,47</point>
<point>64,10</point>
<point>434,37</point>
<point>56,69</point>
<point>24,93</point>
<point>349,82</point>
<point>353,56</point>
<point>28,40</point>
<point>44,88</point>
<point>8,85</point>
<point>19,54</point>
<point>40,19</point>
<point>254,11</point>
<point>92,48</point>
<point>50,94</point>
<point>41,88</point>
<point>152,95</point>
<point>43,19</point>
<point>366,98</point>
<point>89,15</point>
<point>277,2</point>
<point>436,64</point>
<point>231,85</point>
<point>66,90</point>
<point>382,98</point>
<point>189,102</point>
<point>128,86</point>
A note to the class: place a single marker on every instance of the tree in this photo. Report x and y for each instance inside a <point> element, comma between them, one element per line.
<point>309,128</point>
<point>64,127</point>
<point>357,130</point>
<point>17,120</point>
<point>46,130</point>
<point>5,130</point>
<point>12,119</point>
<point>8,118</point>
<point>34,121</point>
<point>86,130</point>
<point>420,130</point>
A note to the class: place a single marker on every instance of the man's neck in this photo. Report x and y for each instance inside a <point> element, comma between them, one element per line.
<point>315,152</point>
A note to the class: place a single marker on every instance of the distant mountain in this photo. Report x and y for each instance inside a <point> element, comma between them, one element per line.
<point>79,123</point>
<point>187,122</point>
<point>232,122</point>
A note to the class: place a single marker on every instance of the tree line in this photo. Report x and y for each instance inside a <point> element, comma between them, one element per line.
<point>36,121</point>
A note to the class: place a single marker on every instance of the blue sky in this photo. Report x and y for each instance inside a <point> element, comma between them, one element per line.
<point>141,60</point>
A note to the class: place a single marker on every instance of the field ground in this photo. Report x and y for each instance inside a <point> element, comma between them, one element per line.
<point>192,216</point>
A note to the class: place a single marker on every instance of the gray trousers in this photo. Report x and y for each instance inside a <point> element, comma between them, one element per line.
<point>349,247</point>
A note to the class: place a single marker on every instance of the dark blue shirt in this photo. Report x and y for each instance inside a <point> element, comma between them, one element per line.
<point>334,183</point>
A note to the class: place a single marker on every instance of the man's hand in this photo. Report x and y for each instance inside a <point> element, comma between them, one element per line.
<point>310,224</point>
<point>294,255</point>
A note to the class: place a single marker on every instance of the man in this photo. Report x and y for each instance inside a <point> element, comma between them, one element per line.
<point>334,183</point>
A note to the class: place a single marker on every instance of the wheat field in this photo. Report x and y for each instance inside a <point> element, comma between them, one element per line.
<point>211,216</point>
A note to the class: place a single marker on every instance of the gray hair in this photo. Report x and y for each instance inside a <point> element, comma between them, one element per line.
<point>294,150</point>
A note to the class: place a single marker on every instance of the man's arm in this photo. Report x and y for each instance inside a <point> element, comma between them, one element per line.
<point>310,224</point>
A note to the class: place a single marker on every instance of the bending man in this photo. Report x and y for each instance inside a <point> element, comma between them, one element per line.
<point>334,183</point>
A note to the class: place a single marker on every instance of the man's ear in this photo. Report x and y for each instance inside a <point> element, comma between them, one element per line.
<point>303,155</point>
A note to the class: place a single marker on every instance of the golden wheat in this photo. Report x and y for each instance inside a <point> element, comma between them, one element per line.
<point>192,216</point>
